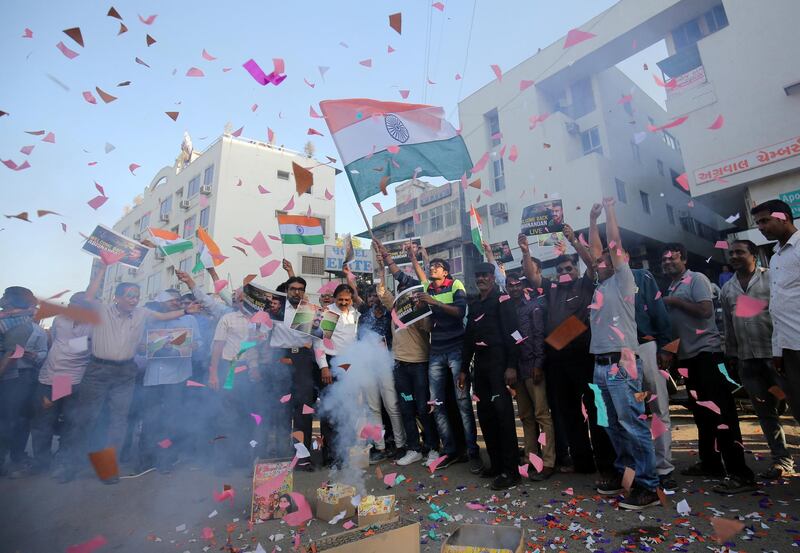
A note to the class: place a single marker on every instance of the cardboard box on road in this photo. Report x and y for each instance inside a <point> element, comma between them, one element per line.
<point>396,536</point>
<point>333,499</point>
<point>480,538</point>
<point>376,510</point>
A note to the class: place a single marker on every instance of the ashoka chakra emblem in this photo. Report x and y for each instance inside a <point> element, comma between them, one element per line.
<point>300,229</point>
<point>396,128</point>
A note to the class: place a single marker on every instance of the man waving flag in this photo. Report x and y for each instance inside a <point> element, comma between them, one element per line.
<point>385,142</point>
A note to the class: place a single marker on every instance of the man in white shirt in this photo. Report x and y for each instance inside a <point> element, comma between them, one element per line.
<point>775,221</point>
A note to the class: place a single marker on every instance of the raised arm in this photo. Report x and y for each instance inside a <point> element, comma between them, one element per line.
<point>358,301</point>
<point>612,234</point>
<point>595,242</point>
<point>529,268</point>
<point>287,266</point>
<point>94,284</point>
<point>412,249</point>
<point>583,251</point>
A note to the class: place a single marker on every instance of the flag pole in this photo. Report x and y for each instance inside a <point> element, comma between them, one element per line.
<point>364,216</point>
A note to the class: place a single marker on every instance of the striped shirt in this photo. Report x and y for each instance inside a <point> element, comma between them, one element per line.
<point>747,337</point>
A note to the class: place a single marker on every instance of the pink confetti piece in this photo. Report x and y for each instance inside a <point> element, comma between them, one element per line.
<point>396,320</point>
<point>439,6</point>
<point>542,439</point>
<point>657,427</point>
<point>710,405</point>
<point>71,54</point>
<point>62,386</point>
<point>308,410</point>
<point>89,97</point>
<point>523,470</point>
<point>372,432</point>
<point>497,72</point>
<point>240,369</point>
<point>19,351</point>
<point>475,398</point>
<point>435,464</point>
<point>328,195</point>
<point>133,167</point>
<point>404,94</point>
<point>523,84</point>
<point>207,56</point>
<point>393,149</point>
<point>289,206</point>
<point>148,20</point>
<point>219,285</point>
<point>569,491</point>
<point>207,533</point>
<point>165,443</point>
<point>348,525</point>
<point>747,306</point>
<point>628,98</point>
<point>269,267</point>
<point>378,206</point>
<point>576,36</point>
<point>109,258</point>
<point>257,418</point>
<point>721,244</point>
<point>260,245</point>
<point>389,479</point>
<point>671,124</point>
<point>513,154</point>
<point>28,33</point>
<point>193,384</point>
<point>88,546</point>
<point>536,461</point>
<point>14,167</point>
<point>779,215</point>
<point>584,412</point>
<point>717,124</point>
<point>195,72</point>
<point>286,398</point>
<point>366,63</point>
<point>50,137</point>
<point>228,495</point>
<point>683,181</point>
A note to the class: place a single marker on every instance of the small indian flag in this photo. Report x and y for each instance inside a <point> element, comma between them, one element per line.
<point>475,229</point>
<point>300,229</point>
<point>169,242</point>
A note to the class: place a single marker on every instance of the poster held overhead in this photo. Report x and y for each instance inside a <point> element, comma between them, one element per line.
<point>106,240</point>
<point>408,309</point>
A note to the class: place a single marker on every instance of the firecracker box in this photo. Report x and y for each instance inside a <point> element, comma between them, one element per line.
<point>332,499</point>
<point>376,509</point>
<point>481,538</point>
<point>395,536</point>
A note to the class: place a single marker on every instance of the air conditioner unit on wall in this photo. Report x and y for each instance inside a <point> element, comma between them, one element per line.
<point>164,217</point>
<point>184,204</point>
<point>572,128</point>
<point>498,209</point>
<point>205,189</point>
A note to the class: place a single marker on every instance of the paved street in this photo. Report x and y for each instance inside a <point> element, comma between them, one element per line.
<point>155,513</point>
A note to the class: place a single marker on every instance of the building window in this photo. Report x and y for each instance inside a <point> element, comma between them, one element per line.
<point>208,176</point>
<point>179,194</point>
<point>635,151</point>
<point>153,284</point>
<point>186,264</point>
<point>175,230</point>
<point>204,216</point>
<point>621,194</point>
<point>451,214</point>
<point>194,187</point>
<point>144,222</point>
<point>498,169</point>
<point>671,141</point>
<point>189,226</point>
<point>645,197</point>
<point>436,219</point>
<point>687,224</point>
<point>591,141</point>
<point>493,124</point>
<point>456,265</point>
<point>687,35</point>
<point>660,165</point>
<point>716,19</point>
<point>670,215</point>
<point>407,206</point>
<point>499,213</point>
<point>166,208</point>
<point>582,97</point>
<point>408,228</point>
<point>283,175</point>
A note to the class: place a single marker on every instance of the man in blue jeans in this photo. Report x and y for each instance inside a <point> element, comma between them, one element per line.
<point>447,299</point>
<point>618,370</point>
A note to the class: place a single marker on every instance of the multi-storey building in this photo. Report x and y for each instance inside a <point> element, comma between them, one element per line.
<point>233,189</point>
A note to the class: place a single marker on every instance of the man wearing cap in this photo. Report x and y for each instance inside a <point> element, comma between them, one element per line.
<point>16,327</point>
<point>490,340</point>
<point>534,412</point>
<point>67,359</point>
<point>111,372</point>
<point>169,365</point>
<point>447,299</point>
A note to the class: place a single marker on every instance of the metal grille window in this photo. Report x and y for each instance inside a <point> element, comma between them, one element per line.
<point>622,195</point>
<point>671,214</point>
<point>645,197</point>
<point>590,140</point>
<point>283,175</point>
<point>311,265</point>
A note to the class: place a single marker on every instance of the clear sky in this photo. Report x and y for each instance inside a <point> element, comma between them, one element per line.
<point>43,90</point>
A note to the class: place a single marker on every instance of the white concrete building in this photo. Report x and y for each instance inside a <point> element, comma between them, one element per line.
<point>219,191</point>
<point>580,134</point>
<point>737,60</point>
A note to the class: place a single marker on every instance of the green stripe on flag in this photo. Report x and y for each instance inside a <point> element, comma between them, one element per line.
<point>176,247</point>
<point>308,240</point>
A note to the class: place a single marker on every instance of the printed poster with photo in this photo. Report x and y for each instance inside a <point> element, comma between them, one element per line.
<point>395,249</point>
<point>278,502</point>
<point>165,343</point>
<point>502,252</point>
<point>257,298</point>
<point>543,218</point>
<point>408,309</point>
<point>105,239</point>
<point>315,320</point>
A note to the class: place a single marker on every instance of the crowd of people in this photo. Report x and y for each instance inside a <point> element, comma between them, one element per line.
<point>585,356</point>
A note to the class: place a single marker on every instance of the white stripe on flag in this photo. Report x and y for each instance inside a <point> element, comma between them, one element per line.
<point>301,230</point>
<point>371,135</point>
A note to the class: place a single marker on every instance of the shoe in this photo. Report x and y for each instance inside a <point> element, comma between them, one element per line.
<point>504,481</point>
<point>397,453</point>
<point>489,472</point>
<point>667,482</point>
<point>610,486</point>
<point>306,467</point>
<point>111,481</point>
<point>450,460</point>
<point>776,472</point>
<point>432,456</point>
<point>376,456</point>
<point>546,473</point>
<point>698,469</point>
<point>410,457</point>
<point>639,499</point>
<point>62,474</point>
<point>566,469</point>
<point>734,485</point>
<point>476,465</point>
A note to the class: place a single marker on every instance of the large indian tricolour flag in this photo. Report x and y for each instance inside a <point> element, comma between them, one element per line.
<point>385,142</point>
